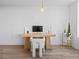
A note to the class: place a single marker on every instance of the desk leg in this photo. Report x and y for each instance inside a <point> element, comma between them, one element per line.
<point>27,44</point>
<point>48,43</point>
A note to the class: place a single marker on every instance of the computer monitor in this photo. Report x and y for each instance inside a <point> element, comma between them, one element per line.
<point>37,28</point>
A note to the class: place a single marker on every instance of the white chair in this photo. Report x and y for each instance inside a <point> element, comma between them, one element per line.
<point>38,42</point>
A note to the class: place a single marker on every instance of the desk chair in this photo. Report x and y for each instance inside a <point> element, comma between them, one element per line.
<point>38,42</point>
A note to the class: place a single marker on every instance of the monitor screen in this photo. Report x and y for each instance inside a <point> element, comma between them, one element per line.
<point>37,28</point>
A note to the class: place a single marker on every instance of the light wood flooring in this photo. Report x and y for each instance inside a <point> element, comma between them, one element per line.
<point>57,52</point>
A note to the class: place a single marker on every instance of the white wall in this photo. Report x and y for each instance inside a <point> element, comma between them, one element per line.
<point>78,19</point>
<point>14,18</point>
<point>73,20</point>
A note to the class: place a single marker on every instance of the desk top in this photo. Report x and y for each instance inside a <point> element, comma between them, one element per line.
<point>39,34</point>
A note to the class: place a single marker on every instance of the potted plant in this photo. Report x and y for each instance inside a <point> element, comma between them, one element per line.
<point>68,34</point>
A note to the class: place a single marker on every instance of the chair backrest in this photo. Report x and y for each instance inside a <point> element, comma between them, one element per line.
<point>38,42</point>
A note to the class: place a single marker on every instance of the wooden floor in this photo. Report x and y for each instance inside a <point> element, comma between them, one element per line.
<point>58,52</point>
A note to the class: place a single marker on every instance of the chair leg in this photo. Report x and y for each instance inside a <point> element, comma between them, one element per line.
<point>33,52</point>
<point>40,52</point>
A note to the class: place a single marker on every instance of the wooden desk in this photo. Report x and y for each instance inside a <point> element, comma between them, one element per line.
<point>47,36</point>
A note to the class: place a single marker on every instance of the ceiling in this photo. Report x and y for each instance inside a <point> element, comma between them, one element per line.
<point>34,2</point>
